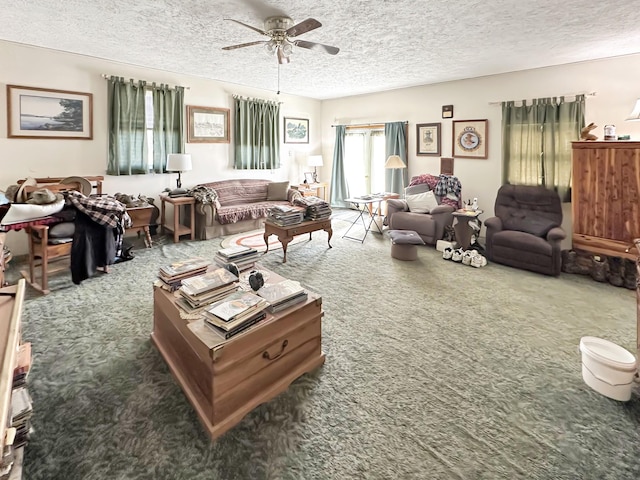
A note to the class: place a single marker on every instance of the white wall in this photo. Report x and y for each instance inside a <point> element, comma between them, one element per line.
<point>37,67</point>
<point>613,80</point>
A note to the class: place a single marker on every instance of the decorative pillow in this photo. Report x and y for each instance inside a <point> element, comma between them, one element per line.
<point>405,237</point>
<point>535,225</point>
<point>277,190</point>
<point>413,189</point>
<point>421,202</point>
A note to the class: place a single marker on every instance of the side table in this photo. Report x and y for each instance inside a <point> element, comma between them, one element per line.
<point>176,227</point>
<point>463,230</point>
<point>140,220</point>
<point>308,189</point>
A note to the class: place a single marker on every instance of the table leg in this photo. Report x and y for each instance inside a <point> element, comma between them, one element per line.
<point>285,241</point>
<point>147,236</point>
<point>266,240</point>
<point>162,219</point>
<point>329,231</point>
<point>192,207</point>
<point>176,222</point>
<point>463,233</point>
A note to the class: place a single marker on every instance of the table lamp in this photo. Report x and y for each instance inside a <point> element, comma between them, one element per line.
<point>178,162</point>
<point>635,114</point>
<point>315,161</point>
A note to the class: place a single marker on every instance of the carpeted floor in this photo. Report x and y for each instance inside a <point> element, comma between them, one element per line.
<point>255,239</point>
<point>434,370</point>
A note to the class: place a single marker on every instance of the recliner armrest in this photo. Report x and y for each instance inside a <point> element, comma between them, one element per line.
<point>556,234</point>
<point>493,223</point>
<point>442,209</point>
<point>396,205</point>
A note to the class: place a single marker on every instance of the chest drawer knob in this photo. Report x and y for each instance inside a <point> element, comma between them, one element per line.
<point>266,354</point>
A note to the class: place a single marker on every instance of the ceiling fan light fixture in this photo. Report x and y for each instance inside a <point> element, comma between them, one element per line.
<point>287,48</point>
<point>270,47</point>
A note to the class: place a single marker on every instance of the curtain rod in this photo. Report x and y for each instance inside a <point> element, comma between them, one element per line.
<point>586,94</point>
<point>153,84</point>
<point>366,124</point>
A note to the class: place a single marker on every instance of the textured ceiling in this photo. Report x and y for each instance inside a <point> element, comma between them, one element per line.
<point>384,44</point>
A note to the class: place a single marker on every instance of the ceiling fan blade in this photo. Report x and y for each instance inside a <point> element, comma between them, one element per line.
<point>317,46</point>
<point>303,27</point>
<point>233,47</point>
<point>255,29</point>
<point>282,58</point>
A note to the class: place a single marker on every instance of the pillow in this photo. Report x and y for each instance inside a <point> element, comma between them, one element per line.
<point>24,212</point>
<point>413,189</point>
<point>421,202</point>
<point>405,237</point>
<point>62,230</point>
<point>535,225</point>
<point>277,190</point>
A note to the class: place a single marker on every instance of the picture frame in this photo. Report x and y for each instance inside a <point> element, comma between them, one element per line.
<point>428,139</point>
<point>296,130</point>
<point>470,139</point>
<point>308,177</point>
<point>207,124</point>
<point>34,112</point>
<point>447,111</point>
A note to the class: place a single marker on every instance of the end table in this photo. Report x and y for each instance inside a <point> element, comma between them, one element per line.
<point>462,228</point>
<point>176,227</point>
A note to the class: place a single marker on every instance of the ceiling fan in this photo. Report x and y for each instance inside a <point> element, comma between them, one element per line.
<point>282,33</point>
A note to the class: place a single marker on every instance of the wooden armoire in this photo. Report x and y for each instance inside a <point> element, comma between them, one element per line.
<point>605,197</point>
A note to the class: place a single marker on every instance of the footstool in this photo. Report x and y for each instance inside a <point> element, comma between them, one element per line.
<point>404,244</point>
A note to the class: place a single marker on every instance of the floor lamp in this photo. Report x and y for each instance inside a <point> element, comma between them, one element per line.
<point>394,161</point>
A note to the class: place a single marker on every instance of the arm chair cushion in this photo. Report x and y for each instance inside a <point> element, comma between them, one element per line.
<point>422,202</point>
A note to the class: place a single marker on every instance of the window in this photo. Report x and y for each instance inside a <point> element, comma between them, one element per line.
<point>364,161</point>
<point>536,142</point>
<point>256,134</point>
<point>146,123</point>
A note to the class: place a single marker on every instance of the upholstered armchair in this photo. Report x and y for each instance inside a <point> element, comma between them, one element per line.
<point>526,230</point>
<point>429,221</point>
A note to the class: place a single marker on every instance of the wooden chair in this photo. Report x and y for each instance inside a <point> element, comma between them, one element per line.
<point>43,250</point>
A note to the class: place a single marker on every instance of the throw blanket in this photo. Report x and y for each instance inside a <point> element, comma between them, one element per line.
<point>447,187</point>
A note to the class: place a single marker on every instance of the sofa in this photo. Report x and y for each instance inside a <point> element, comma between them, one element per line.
<point>526,231</point>
<point>228,207</point>
<point>428,218</point>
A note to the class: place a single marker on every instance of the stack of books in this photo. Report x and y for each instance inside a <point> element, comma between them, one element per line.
<point>282,295</point>
<point>243,257</point>
<point>316,208</point>
<point>171,276</point>
<point>236,313</point>
<point>21,413</point>
<point>202,290</point>
<point>285,215</point>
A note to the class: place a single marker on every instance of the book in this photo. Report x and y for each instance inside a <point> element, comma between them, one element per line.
<point>238,319</point>
<point>184,267</point>
<point>220,277</point>
<point>226,334</point>
<point>274,308</point>
<point>208,297</point>
<point>234,305</point>
<point>281,291</point>
<point>235,251</point>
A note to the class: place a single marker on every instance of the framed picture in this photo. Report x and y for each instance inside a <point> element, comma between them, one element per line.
<point>447,111</point>
<point>296,130</point>
<point>308,177</point>
<point>470,138</point>
<point>428,139</point>
<point>45,113</point>
<point>207,124</point>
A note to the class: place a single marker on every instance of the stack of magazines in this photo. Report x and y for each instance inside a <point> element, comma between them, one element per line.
<point>235,313</point>
<point>202,290</point>
<point>316,208</point>
<point>282,295</point>
<point>243,257</point>
<point>171,276</point>
<point>285,215</point>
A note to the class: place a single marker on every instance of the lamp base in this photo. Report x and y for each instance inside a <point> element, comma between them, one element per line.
<point>179,181</point>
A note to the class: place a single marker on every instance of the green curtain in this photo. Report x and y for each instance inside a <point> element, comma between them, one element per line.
<point>256,134</point>
<point>168,124</point>
<point>536,142</point>
<point>395,134</point>
<point>339,189</point>
<point>127,130</point>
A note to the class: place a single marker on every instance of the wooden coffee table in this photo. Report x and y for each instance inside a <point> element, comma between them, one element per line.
<point>285,234</point>
<point>226,379</point>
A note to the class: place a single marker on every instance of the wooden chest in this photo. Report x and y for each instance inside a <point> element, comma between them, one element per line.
<point>226,379</point>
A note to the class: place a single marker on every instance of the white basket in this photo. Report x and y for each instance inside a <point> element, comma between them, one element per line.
<point>607,368</point>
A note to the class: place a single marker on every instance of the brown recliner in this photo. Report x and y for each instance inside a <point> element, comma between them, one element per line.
<point>526,231</point>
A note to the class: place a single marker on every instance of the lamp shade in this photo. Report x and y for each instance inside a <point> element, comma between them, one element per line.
<point>315,161</point>
<point>178,162</point>
<point>394,161</point>
<point>635,114</point>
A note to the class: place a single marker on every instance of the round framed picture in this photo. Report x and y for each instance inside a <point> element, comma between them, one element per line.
<point>470,138</point>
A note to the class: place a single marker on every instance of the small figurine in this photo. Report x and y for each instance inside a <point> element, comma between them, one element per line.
<point>585,135</point>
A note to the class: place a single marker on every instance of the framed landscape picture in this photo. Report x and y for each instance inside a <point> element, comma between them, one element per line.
<point>470,138</point>
<point>207,124</point>
<point>45,113</point>
<point>296,130</point>
<point>428,139</point>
